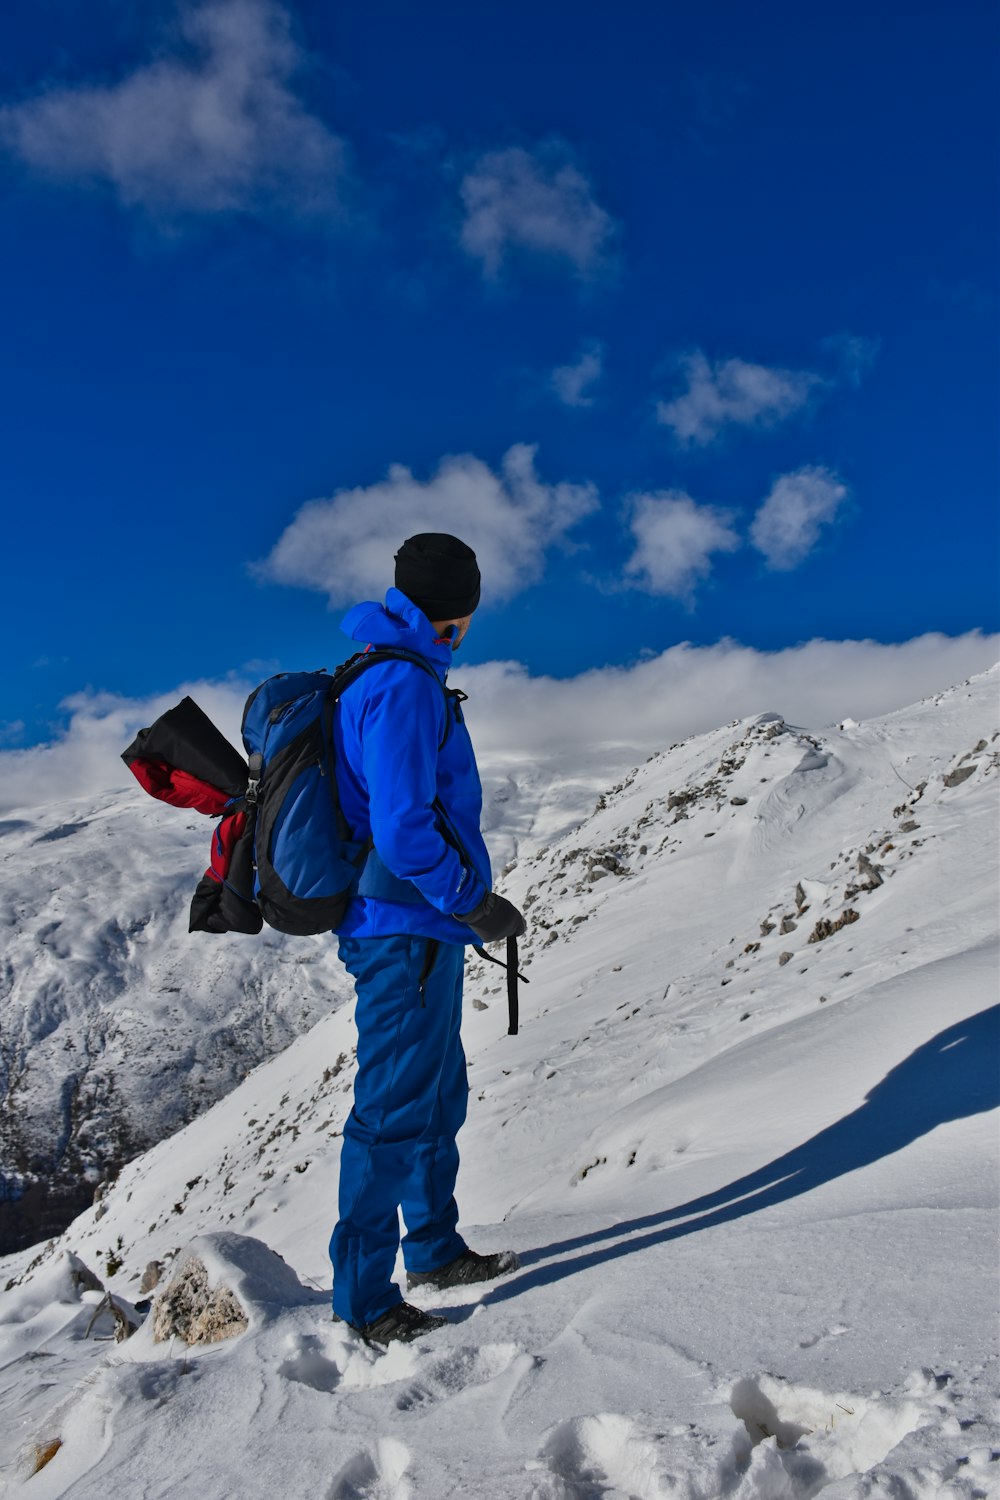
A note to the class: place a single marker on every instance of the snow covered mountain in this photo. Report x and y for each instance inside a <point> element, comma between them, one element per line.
<point>745,1143</point>
<point>117,1026</point>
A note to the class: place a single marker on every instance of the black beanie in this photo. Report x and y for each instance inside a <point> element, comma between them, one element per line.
<point>438,574</point>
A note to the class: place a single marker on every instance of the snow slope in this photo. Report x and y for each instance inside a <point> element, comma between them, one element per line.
<point>746,1143</point>
<point>117,1026</point>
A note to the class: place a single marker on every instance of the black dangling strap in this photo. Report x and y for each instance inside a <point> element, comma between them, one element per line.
<point>512,985</point>
<point>513,976</point>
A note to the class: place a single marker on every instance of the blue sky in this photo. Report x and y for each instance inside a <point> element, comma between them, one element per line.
<point>686,317</point>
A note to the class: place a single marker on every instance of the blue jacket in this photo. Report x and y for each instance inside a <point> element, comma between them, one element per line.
<point>391,767</point>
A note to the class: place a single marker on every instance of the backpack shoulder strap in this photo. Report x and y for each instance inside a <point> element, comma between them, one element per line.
<point>352,669</point>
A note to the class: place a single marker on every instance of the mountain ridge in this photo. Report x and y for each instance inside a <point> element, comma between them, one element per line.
<point>694,1141</point>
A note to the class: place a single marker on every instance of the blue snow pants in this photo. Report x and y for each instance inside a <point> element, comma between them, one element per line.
<point>410,1100</point>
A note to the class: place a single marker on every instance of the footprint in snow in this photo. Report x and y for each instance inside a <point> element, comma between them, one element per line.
<point>374,1474</point>
<point>308,1365</point>
<point>593,1458</point>
<point>794,1440</point>
<point>835,1332</point>
<point>425,1374</point>
<point>457,1370</point>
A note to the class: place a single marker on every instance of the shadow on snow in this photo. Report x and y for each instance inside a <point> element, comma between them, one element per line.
<point>954,1075</point>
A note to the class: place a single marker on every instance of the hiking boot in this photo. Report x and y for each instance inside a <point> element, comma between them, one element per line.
<point>401,1324</point>
<point>465,1269</point>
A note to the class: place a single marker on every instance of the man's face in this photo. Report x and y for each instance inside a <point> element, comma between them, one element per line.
<point>457,627</point>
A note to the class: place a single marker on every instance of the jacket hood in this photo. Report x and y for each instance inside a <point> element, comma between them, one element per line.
<point>397,623</point>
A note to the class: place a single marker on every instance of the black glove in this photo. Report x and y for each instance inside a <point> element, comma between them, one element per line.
<point>494,918</point>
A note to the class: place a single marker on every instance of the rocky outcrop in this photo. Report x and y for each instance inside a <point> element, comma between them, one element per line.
<point>826,928</point>
<point>222,1284</point>
<point>190,1309</point>
<point>150,1277</point>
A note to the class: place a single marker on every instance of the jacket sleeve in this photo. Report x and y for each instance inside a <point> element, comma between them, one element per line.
<point>403,725</point>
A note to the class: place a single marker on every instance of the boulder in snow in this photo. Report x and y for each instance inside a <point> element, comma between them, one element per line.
<point>195,1311</point>
<point>223,1284</point>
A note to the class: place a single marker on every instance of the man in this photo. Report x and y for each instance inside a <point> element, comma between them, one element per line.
<point>407,779</point>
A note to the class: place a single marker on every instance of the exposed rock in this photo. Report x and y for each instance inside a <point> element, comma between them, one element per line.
<point>44,1453</point>
<point>150,1277</point>
<point>192,1310</point>
<point>784,958</point>
<point>125,1324</point>
<point>766,927</point>
<point>787,925</point>
<point>800,896</point>
<point>738,801</point>
<point>871,882</point>
<point>825,928</point>
<point>955,778</point>
<point>82,1278</point>
<point>604,862</point>
<point>909,826</point>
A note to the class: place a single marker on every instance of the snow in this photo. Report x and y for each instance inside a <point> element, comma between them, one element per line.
<point>118,1025</point>
<point>755,1196</point>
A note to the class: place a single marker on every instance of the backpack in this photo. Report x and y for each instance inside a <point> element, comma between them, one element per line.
<point>282,852</point>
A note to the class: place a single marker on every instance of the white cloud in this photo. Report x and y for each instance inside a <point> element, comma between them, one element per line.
<point>675,542</point>
<point>615,711</point>
<point>787,526</point>
<point>733,392</point>
<point>344,546</point>
<point>212,127</point>
<point>571,383</point>
<point>538,202</point>
<point>86,758</point>
<point>616,714</point>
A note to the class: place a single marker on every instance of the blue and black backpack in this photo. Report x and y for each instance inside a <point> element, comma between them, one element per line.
<point>282,852</point>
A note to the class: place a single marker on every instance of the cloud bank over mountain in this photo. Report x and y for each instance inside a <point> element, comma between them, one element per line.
<point>624,713</point>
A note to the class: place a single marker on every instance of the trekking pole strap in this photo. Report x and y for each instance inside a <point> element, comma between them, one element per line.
<point>512,986</point>
<point>513,975</point>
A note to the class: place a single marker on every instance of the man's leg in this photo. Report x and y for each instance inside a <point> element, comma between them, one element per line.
<point>428,1201</point>
<point>403,1040</point>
